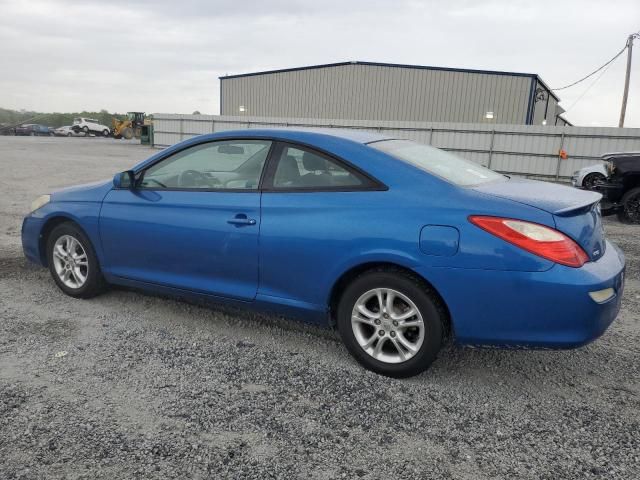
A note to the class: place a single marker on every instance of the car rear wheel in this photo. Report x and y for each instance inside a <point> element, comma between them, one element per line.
<point>72,262</point>
<point>391,322</point>
<point>630,212</point>
<point>69,134</point>
<point>105,133</point>
<point>591,180</point>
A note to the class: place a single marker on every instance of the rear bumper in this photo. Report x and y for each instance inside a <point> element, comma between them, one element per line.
<point>550,309</point>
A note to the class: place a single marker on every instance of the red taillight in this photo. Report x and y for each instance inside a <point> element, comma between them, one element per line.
<point>537,239</point>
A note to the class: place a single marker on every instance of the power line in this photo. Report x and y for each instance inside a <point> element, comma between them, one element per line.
<point>594,72</point>
<point>606,67</point>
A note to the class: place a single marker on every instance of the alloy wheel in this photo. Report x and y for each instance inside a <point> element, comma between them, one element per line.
<point>592,180</point>
<point>387,325</point>
<point>70,261</point>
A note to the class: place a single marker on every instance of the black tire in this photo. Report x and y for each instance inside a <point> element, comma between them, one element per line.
<point>127,133</point>
<point>630,211</point>
<point>85,129</point>
<point>591,180</point>
<point>434,316</point>
<point>105,133</point>
<point>94,283</point>
<point>69,134</point>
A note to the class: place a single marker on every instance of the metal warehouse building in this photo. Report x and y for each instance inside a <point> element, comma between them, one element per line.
<point>381,91</point>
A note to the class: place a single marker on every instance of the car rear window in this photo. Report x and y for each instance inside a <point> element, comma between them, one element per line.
<point>438,162</point>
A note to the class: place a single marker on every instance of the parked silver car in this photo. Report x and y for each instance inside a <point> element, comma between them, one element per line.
<point>588,177</point>
<point>67,131</point>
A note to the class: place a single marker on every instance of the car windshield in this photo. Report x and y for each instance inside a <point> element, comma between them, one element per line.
<point>77,121</point>
<point>438,162</point>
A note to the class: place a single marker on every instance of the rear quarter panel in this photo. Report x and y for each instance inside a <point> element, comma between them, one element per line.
<point>309,240</point>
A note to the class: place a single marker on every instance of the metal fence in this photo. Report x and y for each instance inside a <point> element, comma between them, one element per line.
<point>525,150</point>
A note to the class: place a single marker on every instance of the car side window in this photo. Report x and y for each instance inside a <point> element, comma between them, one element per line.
<point>227,164</point>
<point>303,168</point>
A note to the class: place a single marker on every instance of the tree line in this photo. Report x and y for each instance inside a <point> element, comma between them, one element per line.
<point>55,120</point>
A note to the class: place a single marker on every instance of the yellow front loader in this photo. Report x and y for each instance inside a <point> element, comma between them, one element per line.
<point>131,127</point>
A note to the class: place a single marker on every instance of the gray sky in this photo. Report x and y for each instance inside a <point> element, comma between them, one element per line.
<point>166,56</point>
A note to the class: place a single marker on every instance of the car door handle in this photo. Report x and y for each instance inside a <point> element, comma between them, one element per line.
<point>241,219</point>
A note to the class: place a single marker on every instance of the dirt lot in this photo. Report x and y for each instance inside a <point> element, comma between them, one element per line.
<point>155,388</point>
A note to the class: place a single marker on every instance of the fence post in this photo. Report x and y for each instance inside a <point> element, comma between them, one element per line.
<point>493,136</point>
<point>213,126</point>
<point>559,157</point>
<point>181,128</point>
<point>430,135</point>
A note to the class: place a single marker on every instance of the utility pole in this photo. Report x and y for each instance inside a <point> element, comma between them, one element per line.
<point>627,77</point>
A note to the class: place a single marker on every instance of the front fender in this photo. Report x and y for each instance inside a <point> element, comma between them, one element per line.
<point>85,214</point>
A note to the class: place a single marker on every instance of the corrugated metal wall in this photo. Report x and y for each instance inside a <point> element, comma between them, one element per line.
<point>375,92</point>
<point>518,149</point>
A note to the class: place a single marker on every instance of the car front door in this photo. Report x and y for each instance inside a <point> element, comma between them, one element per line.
<point>191,221</point>
<point>314,208</point>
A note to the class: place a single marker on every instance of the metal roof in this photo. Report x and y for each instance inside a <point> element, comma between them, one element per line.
<point>393,65</point>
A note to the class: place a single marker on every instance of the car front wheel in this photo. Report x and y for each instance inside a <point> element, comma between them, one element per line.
<point>72,262</point>
<point>591,180</point>
<point>391,322</point>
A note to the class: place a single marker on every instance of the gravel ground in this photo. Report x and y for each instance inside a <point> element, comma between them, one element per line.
<point>152,387</point>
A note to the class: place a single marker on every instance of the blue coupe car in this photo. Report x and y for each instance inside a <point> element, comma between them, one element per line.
<point>397,244</point>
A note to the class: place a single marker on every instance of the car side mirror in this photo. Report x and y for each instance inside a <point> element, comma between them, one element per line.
<point>125,180</point>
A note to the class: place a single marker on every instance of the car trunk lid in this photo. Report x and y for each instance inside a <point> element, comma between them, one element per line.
<point>576,212</point>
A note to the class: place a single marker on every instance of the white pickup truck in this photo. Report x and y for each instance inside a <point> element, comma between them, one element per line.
<point>89,125</point>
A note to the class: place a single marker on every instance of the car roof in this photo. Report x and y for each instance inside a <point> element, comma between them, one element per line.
<point>311,136</point>
<point>620,154</point>
<point>358,136</point>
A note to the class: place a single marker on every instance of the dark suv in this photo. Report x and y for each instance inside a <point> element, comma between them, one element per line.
<point>621,189</point>
<point>33,129</point>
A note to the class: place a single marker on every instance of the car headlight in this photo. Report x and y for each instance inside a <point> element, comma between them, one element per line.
<point>39,202</point>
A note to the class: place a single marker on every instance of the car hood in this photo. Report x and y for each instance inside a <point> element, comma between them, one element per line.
<point>88,192</point>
